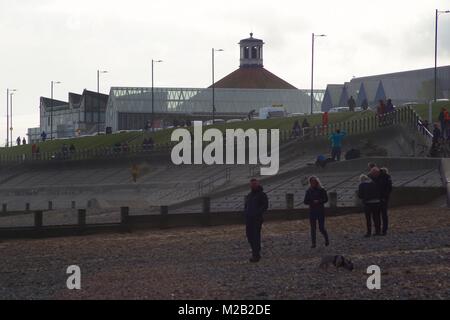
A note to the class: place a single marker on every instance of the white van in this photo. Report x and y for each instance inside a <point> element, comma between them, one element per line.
<point>272,112</point>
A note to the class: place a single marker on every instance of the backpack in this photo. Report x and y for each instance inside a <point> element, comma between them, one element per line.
<point>352,154</point>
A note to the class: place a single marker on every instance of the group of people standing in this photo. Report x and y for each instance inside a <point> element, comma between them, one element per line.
<point>374,191</point>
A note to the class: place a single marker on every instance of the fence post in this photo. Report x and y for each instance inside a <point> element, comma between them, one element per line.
<point>289,201</point>
<point>81,217</point>
<point>164,211</point>
<point>206,210</point>
<point>333,199</point>
<point>124,215</point>
<point>38,219</point>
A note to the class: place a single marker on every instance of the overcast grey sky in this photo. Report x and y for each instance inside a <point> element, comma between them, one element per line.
<point>68,40</point>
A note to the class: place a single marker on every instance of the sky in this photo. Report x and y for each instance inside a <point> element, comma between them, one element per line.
<point>69,40</point>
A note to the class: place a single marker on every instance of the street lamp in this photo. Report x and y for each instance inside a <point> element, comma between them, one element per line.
<point>312,68</point>
<point>7,114</point>
<point>435,50</point>
<point>153,99</point>
<point>11,114</point>
<point>51,110</point>
<point>98,98</point>
<point>213,84</point>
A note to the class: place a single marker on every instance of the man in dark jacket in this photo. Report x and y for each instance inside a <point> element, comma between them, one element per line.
<point>383,180</point>
<point>256,204</point>
<point>369,193</point>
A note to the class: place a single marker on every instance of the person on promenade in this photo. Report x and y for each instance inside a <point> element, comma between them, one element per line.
<point>336,144</point>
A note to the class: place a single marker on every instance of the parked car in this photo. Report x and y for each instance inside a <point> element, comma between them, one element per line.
<point>234,120</point>
<point>339,109</point>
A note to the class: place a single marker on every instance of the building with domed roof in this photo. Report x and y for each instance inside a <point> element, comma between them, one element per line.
<point>250,87</point>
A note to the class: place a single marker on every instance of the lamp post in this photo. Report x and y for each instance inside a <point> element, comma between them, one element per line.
<point>312,68</point>
<point>98,98</point>
<point>153,99</point>
<point>214,85</point>
<point>435,51</point>
<point>7,114</point>
<point>51,108</point>
<point>11,114</point>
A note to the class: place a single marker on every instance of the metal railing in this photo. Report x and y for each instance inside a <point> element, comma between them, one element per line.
<point>405,115</point>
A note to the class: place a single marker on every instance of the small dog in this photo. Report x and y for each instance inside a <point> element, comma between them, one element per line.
<point>338,261</point>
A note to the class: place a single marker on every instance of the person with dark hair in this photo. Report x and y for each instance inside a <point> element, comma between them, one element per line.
<point>336,144</point>
<point>383,180</point>
<point>18,141</point>
<point>24,141</point>
<point>369,193</point>
<point>256,204</point>
<point>316,197</point>
<point>43,136</point>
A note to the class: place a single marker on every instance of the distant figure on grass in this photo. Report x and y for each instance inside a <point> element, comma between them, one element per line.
<point>369,194</point>
<point>383,181</point>
<point>24,141</point>
<point>436,133</point>
<point>389,106</point>
<point>296,129</point>
<point>351,104</point>
<point>316,197</point>
<point>256,203</point>
<point>365,105</point>
<point>134,172</point>
<point>336,144</point>
<point>43,136</point>
<point>18,141</point>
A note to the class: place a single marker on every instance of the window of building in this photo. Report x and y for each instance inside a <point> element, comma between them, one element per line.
<point>254,52</point>
<point>246,52</point>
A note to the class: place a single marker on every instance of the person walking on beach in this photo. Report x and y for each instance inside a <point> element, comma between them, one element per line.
<point>134,172</point>
<point>316,197</point>
<point>256,204</point>
<point>369,193</point>
<point>383,180</point>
